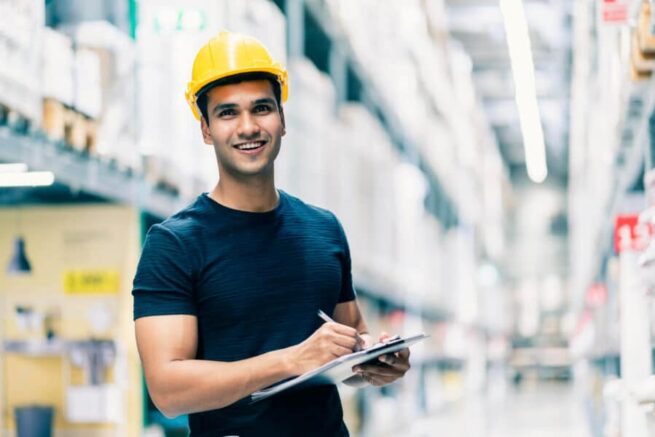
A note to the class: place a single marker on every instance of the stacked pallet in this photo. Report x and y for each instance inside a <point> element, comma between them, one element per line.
<point>642,59</point>
<point>69,115</point>
<point>72,128</point>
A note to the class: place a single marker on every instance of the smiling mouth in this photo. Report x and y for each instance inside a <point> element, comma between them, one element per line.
<point>251,145</point>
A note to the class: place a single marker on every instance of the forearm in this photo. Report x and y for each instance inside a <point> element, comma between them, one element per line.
<point>190,386</point>
<point>348,313</point>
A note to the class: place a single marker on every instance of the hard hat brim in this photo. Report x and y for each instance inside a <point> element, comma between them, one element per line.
<point>195,89</point>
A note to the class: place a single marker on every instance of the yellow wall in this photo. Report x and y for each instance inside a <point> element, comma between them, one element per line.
<point>59,239</point>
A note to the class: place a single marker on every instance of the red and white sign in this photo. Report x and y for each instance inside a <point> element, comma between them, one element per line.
<point>596,295</point>
<point>614,11</point>
<point>629,234</point>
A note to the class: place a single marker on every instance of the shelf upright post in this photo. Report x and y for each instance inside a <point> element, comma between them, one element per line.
<point>636,360</point>
<point>295,11</point>
<point>339,73</point>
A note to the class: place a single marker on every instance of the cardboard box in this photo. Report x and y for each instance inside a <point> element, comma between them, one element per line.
<point>20,52</point>
<point>87,97</point>
<point>57,68</point>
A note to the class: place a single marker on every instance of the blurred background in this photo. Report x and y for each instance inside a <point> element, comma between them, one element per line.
<point>490,161</point>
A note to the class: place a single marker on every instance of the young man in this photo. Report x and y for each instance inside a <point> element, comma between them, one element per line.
<point>227,290</point>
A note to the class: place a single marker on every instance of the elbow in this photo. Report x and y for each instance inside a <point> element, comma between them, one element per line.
<point>166,404</point>
<point>171,406</point>
<point>165,398</point>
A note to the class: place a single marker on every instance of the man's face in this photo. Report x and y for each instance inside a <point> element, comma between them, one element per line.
<point>245,127</point>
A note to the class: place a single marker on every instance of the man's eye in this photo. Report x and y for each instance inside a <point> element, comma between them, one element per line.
<point>227,113</point>
<point>262,108</point>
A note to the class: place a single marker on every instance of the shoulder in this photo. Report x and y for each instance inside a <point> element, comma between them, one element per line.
<point>311,212</point>
<point>180,228</point>
<point>319,222</point>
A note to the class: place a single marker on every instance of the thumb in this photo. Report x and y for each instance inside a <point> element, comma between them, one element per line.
<point>384,336</point>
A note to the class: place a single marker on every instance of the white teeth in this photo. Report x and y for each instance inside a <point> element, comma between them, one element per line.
<point>248,146</point>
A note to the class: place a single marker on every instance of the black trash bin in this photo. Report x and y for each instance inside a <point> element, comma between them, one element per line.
<point>34,421</point>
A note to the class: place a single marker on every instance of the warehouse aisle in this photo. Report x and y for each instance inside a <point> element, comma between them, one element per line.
<point>541,409</point>
<point>490,164</point>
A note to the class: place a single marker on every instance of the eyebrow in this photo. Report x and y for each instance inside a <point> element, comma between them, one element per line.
<point>223,106</point>
<point>263,100</point>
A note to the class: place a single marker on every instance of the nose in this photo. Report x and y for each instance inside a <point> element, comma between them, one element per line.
<point>248,127</point>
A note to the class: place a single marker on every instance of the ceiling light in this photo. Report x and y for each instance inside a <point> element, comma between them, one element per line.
<point>520,52</point>
<point>27,179</point>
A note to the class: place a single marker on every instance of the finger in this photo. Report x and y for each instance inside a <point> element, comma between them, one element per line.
<point>368,340</point>
<point>395,361</point>
<point>379,371</point>
<point>331,330</point>
<point>384,335</point>
<point>404,353</point>
<point>376,381</point>
<point>345,341</point>
<point>339,351</point>
<point>341,329</point>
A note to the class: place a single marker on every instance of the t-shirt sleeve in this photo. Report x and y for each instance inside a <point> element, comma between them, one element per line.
<point>347,290</point>
<point>163,282</point>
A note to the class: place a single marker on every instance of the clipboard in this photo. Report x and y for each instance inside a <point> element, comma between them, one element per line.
<point>340,368</point>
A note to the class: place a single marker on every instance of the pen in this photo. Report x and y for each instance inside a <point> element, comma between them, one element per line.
<point>327,318</point>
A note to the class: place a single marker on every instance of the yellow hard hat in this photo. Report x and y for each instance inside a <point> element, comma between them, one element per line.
<point>229,54</point>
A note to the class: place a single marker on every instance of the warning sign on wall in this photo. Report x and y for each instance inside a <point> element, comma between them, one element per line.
<point>91,282</point>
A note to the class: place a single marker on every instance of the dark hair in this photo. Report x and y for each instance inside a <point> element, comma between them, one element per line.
<point>231,80</point>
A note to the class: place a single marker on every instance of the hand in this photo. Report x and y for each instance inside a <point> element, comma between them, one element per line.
<point>328,342</point>
<point>390,367</point>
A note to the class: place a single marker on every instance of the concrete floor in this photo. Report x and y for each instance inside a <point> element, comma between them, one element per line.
<point>535,410</point>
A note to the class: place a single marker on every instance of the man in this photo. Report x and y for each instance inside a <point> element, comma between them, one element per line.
<point>227,290</point>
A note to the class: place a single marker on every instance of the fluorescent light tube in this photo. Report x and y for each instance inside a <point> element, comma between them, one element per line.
<point>520,52</point>
<point>27,179</point>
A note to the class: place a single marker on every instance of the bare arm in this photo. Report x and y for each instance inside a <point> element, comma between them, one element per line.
<point>181,384</point>
<point>348,313</point>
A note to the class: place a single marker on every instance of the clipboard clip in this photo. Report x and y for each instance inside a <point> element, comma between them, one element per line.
<point>389,342</point>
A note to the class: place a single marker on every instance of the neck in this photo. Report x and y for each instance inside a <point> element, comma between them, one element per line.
<point>250,196</point>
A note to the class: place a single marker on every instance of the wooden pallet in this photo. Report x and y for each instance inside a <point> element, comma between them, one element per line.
<point>76,130</point>
<point>646,39</point>
<point>642,62</point>
<point>55,116</point>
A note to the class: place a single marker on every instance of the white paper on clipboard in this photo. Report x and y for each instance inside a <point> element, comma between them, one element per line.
<point>340,368</point>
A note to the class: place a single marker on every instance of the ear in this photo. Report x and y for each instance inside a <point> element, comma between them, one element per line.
<point>284,124</point>
<point>204,127</point>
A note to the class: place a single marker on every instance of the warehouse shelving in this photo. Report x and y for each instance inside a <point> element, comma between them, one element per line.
<point>632,155</point>
<point>629,163</point>
<point>308,20</point>
<point>88,174</point>
<point>101,178</point>
<point>313,33</point>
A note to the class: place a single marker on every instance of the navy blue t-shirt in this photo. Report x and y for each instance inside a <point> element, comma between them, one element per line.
<point>255,282</point>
